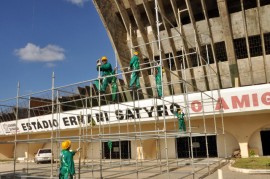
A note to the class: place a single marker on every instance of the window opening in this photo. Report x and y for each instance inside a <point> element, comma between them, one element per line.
<point>255,45</point>
<point>240,48</point>
<point>221,53</point>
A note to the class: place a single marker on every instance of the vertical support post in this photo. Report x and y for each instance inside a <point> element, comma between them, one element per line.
<point>80,135</point>
<point>53,78</point>
<point>116,64</point>
<point>135,130</point>
<point>188,118</point>
<point>207,55</point>
<point>58,150</point>
<point>28,136</point>
<point>99,127</point>
<point>222,121</point>
<point>162,87</point>
<point>140,133</point>
<point>220,175</point>
<point>119,141</point>
<point>158,151</point>
<point>205,134</point>
<point>214,118</point>
<point>15,138</point>
<point>259,20</point>
<point>130,35</point>
<point>247,42</point>
<point>91,129</point>
<point>228,38</point>
<point>198,57</point>
<point>170,61</point>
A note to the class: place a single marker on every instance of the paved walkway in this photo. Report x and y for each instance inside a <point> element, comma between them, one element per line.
<point>179,172</point>
<point>228,174</point>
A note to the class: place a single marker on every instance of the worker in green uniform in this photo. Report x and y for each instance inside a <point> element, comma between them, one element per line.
<point>67,167</point>
<point>159,71</point>
<point>106,69</point>
<point>181,121</point>
<point>134,65</point>
<point>114,86</point>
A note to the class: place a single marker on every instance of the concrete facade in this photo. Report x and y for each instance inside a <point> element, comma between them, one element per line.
<point>242,132</point>
<point>219,30</point>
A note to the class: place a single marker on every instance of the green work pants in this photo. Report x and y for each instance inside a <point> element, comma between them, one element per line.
<point>159,87</point>
<point>65,176</point>
<point>134,78</point>
<point>181,125</point>
<point>104,85</point>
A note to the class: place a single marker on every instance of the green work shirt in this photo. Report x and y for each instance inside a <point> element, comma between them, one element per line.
<point>158,74</point>
<point>134,63</point>
<point>67,163</point>
<point>106,69</point>
<point>180,116</point>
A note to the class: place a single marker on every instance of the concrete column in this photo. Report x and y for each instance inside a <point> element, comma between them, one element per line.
<point>140,155</point>
<point>244,149</point>
<point>228,38</point>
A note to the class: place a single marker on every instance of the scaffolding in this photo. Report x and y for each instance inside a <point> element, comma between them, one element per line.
<point>144,134</point>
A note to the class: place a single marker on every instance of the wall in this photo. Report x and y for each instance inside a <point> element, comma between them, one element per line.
<point>239,129</point>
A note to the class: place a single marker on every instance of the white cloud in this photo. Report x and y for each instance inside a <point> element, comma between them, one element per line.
<point>34,53</point>
<point>78,2</point>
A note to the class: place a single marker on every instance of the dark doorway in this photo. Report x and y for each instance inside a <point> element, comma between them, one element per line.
<point>119,149</point>
<point>199,147</point>
<point>265,135</point>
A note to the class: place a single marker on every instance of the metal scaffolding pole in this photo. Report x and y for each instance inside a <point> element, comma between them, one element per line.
<point>15,139</point>
<point>53,78</point>
<point>160,66</point>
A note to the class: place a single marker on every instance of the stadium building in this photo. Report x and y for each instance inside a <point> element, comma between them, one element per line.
<point>216,60</point>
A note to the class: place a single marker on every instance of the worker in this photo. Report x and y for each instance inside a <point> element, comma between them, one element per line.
<point>181,121</point>
<point>134,65</point>
<point>106,69</point>
<point>114,85</point>
<point>67,167</point>
<point>159,70</point>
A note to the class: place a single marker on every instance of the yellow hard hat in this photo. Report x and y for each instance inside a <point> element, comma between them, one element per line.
<point>104,58</point>
<point>136,53</point>
<point>66,144</point>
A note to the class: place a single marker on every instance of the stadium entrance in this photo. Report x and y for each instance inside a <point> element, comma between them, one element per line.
<point>265,135</point>
<point>199,147</point>
<point>118,149</point>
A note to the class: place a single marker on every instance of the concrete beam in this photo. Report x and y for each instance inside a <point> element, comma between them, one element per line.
<point>212,45</point>
<point>199,49</point>
<point>246,38</point>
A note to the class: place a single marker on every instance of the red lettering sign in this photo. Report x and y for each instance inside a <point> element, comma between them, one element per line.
<point>196,106</point>
<point>266,98</point>
<point>255,99</point>
<point>221,103</point>
<point>237,103</point>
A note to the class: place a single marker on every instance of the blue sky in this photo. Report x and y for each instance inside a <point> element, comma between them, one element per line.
<point>38,37</point>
